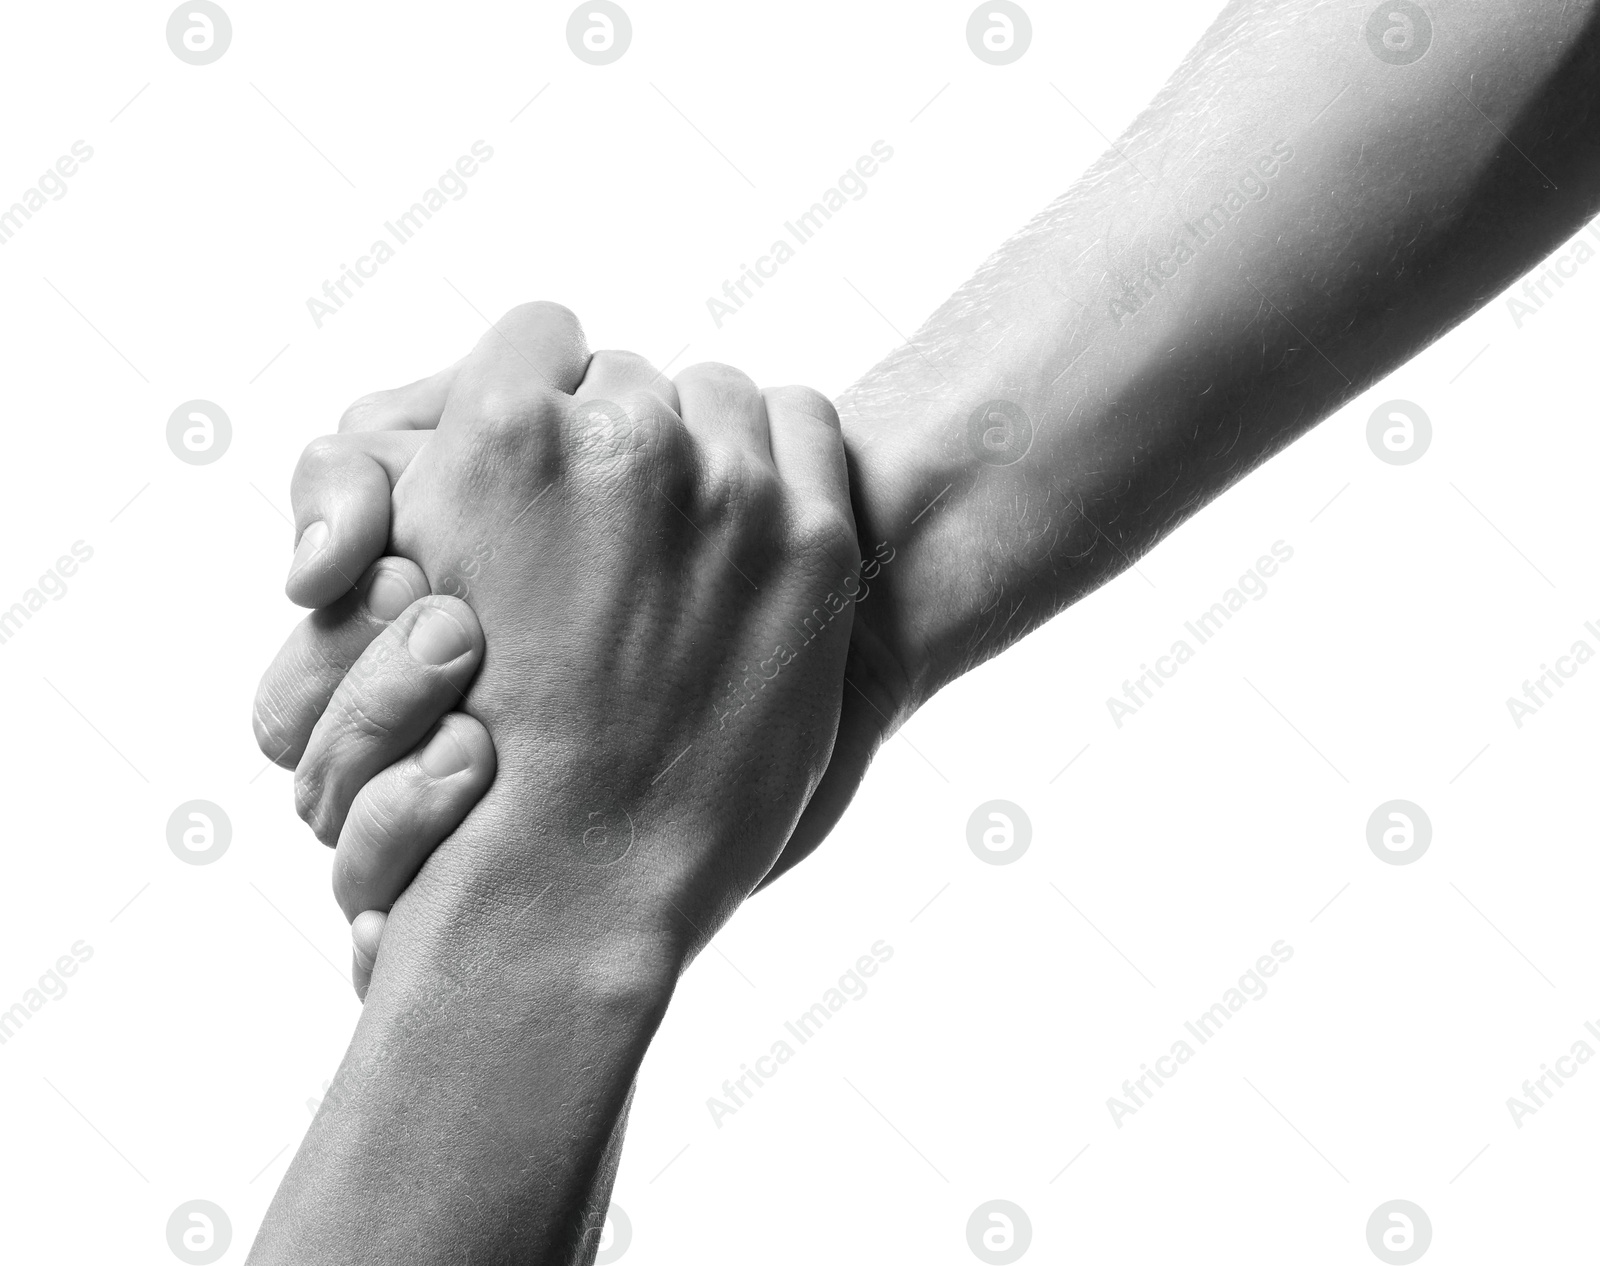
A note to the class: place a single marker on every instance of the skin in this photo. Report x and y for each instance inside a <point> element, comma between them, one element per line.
<point>629,556</point>
<point>1410,195</point>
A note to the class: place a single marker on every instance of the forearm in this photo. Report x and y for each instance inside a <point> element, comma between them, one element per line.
<point>1290,220</point>
<point>478,1113</point>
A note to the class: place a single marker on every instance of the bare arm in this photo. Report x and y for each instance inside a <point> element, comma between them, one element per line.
<point>1289,220</point>
<point>1372,206</point>
<point>633,547</point>
<point>1179,316</point>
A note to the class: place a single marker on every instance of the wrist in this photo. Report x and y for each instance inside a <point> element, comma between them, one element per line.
<point>898,469</point>
<point>482,1090</point>
<point>597,947</point>
<point>960,522</point>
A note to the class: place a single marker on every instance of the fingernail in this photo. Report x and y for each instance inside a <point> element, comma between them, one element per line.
<point>443,755</point>
<point>311,542</point>
<point>436,638</point>
<point>365,933</point>
<point>389,594</point>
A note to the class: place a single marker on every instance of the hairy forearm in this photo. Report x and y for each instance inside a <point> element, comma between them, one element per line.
<point>1148,352</point>
<point>1290,219</point>
<point>478,1113</point>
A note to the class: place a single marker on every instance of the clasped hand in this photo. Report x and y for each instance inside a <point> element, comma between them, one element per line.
<point>604,654</point>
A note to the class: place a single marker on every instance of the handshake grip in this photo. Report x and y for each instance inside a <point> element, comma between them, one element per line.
<point>605,650</point>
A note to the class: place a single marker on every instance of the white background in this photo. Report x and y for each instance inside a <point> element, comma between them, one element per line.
<point>216,1004</point>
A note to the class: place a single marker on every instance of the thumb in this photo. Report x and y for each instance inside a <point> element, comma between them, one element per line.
<point>340,493</point>
<point>365,933</point>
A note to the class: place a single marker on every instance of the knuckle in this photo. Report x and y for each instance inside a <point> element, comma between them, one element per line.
<point>319,457</point>
<point>317,667</point>
<point>625,363</point>
<point>367,719</point>
<point>512,428</point>
<point>661,431</point>
<point>715,387</point>
<point>736,485</point>
<point>638,442</point>
<point>826,530</point>
<point>272,732</point>
<point>510,411</point>
<point>311,804</point>
<point>726,479</point>
<point>380,817</point>
<point>803,400</point>
<point>716,374</point>
<point>414,406</point>
<point>599,432</point>
<point>539,310</point>
<point>657,424</point>
<point>361,412</point>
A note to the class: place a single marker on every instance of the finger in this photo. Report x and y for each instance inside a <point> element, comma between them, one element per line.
<point>516,386</point>
<point>414,407</point>
<point>410,676</point>
<point>612,375</point>
<point>542,339</point>
<point>295,689</point>
<point>721,404</point>
<point>808,448</point>
<point>406,811</point>
<point>340,494</point>
<point>365,934</point>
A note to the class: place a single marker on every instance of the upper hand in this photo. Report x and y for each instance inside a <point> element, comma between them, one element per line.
<point>610,494</point>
